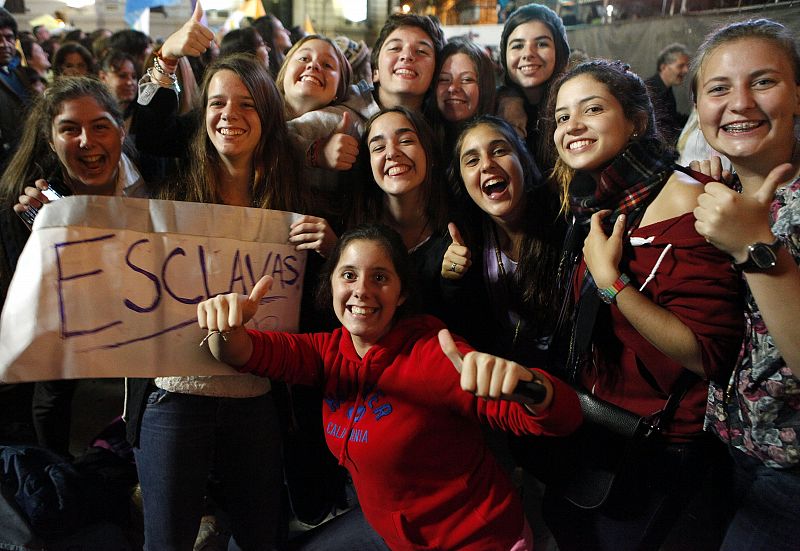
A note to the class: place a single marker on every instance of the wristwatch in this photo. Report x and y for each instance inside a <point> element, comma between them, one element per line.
<point>609,294</point>
<point>760,257</point>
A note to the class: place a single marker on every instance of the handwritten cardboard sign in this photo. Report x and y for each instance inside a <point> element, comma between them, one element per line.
<point>109,286</point>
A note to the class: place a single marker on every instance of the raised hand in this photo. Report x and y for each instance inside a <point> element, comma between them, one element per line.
<point>314,234</point>
<point>731,221</point>
<point>603,253</point>
<point>339,152</point>
<point>489,376</point>
<point>225,313</point>
<point>192,39</point>
<point>457,257</point>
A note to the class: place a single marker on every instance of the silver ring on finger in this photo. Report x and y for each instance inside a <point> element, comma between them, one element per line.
<point>454,267</point>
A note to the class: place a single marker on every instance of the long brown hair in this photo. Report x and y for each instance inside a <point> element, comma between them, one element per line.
<point>367,205</point>
<point>275,166</point>
<point>34,157</point>
<point>533,289</point>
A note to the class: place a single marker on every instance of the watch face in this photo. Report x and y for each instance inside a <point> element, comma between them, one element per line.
<point>762,255</point>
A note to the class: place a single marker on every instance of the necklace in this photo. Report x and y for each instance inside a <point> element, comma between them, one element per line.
<point>501,269</point>
<point>418,242</point>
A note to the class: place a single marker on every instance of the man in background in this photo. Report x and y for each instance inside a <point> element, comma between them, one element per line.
<point>14,89</point>
<point>672,66</point>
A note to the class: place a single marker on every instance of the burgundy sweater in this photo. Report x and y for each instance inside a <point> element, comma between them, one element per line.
<point>696,283</point>
<point>398,420</point>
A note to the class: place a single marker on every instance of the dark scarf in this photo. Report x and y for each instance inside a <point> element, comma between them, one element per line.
<point>626,186</point>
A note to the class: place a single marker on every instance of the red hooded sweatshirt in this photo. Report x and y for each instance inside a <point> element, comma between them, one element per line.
<point>399,421</point>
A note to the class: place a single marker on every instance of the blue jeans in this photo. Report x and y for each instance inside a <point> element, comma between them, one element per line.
<point>186,441</point>
<point>767,507</point>
<point>347,532</point>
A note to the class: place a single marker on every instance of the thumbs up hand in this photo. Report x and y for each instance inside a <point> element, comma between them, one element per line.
<point>192,39</point>
<point>457,257</point>
<point>231,311</point>
<point>224,316</point>
<point>731,221</point>
<point>340,150</point>
<point>494,378</point>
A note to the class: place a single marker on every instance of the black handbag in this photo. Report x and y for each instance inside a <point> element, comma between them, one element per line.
<point>608,455</point>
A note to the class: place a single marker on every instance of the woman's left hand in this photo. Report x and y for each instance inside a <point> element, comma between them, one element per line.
<point>312,233</point>
<point>603,253</point>
<point>488,376</point>
<point>731,221</point>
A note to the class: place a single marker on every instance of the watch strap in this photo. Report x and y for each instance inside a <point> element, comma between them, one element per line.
<point>609,294</point>
<point>750,265</point>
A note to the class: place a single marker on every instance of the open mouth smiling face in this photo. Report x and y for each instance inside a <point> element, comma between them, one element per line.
<point>492,173</point>
<point>88,143</point>
<point>232,121</point>
<point>397,158</point>
<point>312,76</point>
<point>406,62</point>
<point>366,292</point>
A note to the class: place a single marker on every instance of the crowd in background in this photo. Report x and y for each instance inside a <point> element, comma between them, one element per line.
<point>533,205</point>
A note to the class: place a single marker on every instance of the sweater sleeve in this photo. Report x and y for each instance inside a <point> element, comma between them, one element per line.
<point>319,124</point>
<point>708,300</point>
<point>695,282</point>
<point>293,358</point>
<point>159,129</point>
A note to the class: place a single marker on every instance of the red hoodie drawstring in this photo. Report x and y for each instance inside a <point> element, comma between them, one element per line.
<point>345,453</point>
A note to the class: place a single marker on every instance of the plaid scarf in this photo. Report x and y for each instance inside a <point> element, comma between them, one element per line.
<point>626,186</point>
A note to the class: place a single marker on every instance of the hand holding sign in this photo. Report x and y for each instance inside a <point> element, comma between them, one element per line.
<point>34,198</point>
<point>314,234</point>
<point>493,378</point>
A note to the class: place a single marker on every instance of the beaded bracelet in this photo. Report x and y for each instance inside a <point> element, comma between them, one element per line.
<point>609,294</point>
<point>163,65</point>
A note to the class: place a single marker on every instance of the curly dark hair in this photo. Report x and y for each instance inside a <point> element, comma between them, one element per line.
<point>630,91</point>
<point>532,290</point>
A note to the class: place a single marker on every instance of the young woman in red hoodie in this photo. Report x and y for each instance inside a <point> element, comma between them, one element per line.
<point>395,414</point>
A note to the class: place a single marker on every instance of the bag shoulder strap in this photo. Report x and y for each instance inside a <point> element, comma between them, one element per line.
<point>662,418</point>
